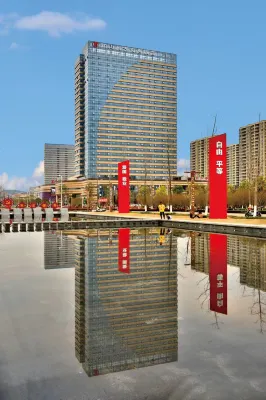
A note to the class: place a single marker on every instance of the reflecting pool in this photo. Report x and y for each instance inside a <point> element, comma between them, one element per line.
<point>132,314</point>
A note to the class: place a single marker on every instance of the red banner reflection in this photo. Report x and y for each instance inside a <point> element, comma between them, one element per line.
<point>218,273</point>
<point>124,250</point>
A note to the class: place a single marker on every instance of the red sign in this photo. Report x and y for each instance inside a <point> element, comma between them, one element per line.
<point>217,177</point>
<point>123,250</point>
<point>102,200</point>
<point>7,203</point>
<point>44,205</point>
<point>218,273</point>
<point>123,187</point>
<point>22,205</point>
<point>33,205</point>
<point>95,44</point>
<point>55,205</point>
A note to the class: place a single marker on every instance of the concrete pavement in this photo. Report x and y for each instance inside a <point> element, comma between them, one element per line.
<point>261,222</point>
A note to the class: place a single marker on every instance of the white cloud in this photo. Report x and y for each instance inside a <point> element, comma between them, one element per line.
<point>39,171</point>
<point>54,23</point>
<point>6,22</point>
<point>17,47</point>
<point>14,46</point>
<point>183,163</point>
<point>23,183</point>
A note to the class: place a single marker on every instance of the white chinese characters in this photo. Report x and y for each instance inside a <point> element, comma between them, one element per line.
<point>220,295</point>
<point>124,258</point>
<point>219,163</point>
<point>124,172</point>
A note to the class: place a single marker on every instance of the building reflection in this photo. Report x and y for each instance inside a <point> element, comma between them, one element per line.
<point>59,250</point>
<point>248,254</point>
<point>125,319</point>
<point>200,252</point>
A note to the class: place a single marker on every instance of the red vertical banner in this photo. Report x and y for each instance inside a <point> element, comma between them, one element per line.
<point>123,187</point>
<point>217,177</point>
<point>218,273</point>
<point>124,250</point>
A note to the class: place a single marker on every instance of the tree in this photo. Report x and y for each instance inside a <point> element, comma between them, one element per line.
<point>262,198</point>
<point>200,196</point>
<point>64,192</point>
<point>89,195</point>
<point>243,197</point>
<point>261,183</point>
<point>181,200</point>
<point>2,192</point>
<point>133,196</point>
<point>231,196</point>
<point>160,196</point>
<point>178,189</point>
<point>244,185</point>
<point>170,194</point>
<point>144,196</point>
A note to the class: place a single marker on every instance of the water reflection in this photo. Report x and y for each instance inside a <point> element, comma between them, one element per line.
<point>125,320</point>
<point>210,254</point>
<point>59,250</point>
<point>118,316</point>
<point>126,289</point>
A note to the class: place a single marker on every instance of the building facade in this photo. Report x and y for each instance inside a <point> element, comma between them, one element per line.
<point>59,160</point>
<point>199,160</point>
<point>59,251</point>
<point>233,164</point>
<point>199,156</point>
<point>125,108</point>
<point>252,151</point>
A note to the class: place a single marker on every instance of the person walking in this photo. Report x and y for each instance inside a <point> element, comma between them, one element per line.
<point>161,210</point>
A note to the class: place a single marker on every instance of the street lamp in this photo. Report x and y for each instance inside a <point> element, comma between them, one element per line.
<point>61,190</point>
<point>192,188</point>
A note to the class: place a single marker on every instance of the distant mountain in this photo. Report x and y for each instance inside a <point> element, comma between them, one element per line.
<point>14,191</point>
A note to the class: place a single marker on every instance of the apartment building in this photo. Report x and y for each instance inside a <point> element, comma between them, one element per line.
<point>58,251</point>
<point>199,160</point>
<point>252,151</point>
<point>59,160</point>
<point>199,156</point>
<point>233,164</point>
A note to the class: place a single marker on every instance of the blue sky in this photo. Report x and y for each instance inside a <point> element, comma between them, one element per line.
<point>221,67</point>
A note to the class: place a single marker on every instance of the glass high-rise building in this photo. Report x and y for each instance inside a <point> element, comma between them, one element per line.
<point>125,321</point>
<point>58,161</point>
<point>125,108</point>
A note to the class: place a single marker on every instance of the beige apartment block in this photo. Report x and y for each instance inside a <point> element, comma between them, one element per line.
<point>199,156</point>
<point>233,164</point>
<point>252,151</point>
<point>199,160</point>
